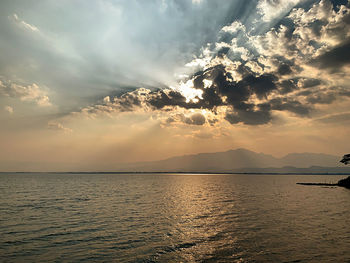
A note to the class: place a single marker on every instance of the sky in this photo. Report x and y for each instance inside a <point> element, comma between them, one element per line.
<point>88,85</point>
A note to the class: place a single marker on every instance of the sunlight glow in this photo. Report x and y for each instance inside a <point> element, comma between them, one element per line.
<point>190,93</point>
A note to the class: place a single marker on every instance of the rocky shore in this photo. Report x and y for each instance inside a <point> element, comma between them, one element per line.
<point>342,183</point>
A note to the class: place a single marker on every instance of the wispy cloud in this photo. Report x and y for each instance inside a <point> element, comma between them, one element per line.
<point>8,109</point>
<point>23,24</point>
<point>337,118</point>
<point>53,125</point>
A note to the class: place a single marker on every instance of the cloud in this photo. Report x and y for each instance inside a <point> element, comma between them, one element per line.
<point>153,43</point>
<point>249,117</point>
<point>218,90</point>
<point>321,24</point>
<point>335,58</point>
<point>284,51</point>
<point>53,125</point>
<point>273,9</point>
<point>203,135</point>
<point>140,99</point>
<point>322,98</point>
<point>23,24</point>
<point>284,104</point>
<point>163,98</point>
<point>234,28</point>
<point>191,119</point>
<point>337,118</point>
<point>8,109</point>
<point>287,86</point>
<point>30,93</point>
<point>248,76</point>
<point>308,82</point>
<point>195,119</point>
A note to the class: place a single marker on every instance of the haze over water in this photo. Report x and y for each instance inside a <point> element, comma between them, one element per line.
<point>172,218</point>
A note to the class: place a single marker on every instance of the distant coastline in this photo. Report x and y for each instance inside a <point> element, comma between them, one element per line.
<point>184,172</point>
<point>238,161</point>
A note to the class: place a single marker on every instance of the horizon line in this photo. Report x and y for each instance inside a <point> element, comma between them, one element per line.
<point>183,172</point>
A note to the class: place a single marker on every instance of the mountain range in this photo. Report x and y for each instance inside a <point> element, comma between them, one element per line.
<point>242,160</point>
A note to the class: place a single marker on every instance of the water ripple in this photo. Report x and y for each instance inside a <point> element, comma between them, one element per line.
<point>171,218</point>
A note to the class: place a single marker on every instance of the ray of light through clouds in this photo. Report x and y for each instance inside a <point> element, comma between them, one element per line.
<point>111,81</point>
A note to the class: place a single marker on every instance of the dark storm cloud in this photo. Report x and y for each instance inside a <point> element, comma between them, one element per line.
<point>224,91</point>
<point>335,58</point>
<point>284,69</point>
<point>284,104</point>
<point>235,92</point>
<point>249,117</point>
<point>224,86</point>
<point>287,86</point>
<point>160,99</point>
<point>323,98</point>
<point>236,95</point>
<point>308,83</point>
<point>261,85</point>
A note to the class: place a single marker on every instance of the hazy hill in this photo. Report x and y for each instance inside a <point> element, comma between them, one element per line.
<point>310,159</point>
<point>235,160</point>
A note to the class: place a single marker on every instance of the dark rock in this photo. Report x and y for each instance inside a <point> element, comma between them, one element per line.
<point>319,184</point>
<point>344,182</point>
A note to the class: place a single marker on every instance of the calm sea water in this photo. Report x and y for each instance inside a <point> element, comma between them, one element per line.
<point>172,218</point>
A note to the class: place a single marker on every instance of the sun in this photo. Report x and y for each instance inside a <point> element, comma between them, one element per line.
<point>189,92</point>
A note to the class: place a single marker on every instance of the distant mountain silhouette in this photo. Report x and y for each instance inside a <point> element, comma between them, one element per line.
<point>310,159</point>
<point>240,160</point>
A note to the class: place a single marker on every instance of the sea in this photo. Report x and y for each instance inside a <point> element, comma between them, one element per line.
<point>51,217</point>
